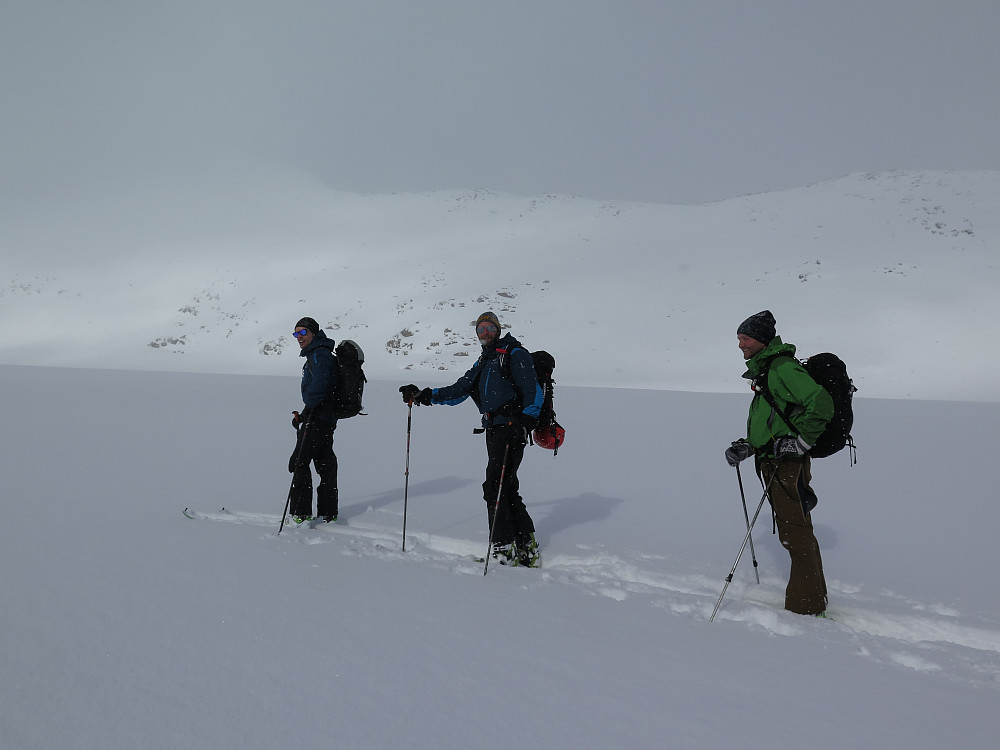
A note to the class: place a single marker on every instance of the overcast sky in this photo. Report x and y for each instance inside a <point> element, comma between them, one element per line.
<point>654,100</point>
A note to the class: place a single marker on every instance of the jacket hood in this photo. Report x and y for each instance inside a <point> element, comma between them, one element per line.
<point>320,340</point>
<point>776,348</point>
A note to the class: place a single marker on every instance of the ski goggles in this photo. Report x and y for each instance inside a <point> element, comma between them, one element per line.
<point>486,328</point>
<point>300,334</point>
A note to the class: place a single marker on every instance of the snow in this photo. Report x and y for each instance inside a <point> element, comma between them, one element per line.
<point>897,271</point>
<point>127,625</point>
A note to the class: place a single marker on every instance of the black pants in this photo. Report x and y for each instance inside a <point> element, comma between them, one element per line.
<point>314,442</point>
<point>510,518</point>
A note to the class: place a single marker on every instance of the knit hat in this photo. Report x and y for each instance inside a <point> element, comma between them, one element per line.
<point>309,323</point>
<point>489,317</point>
<point>759,327</point>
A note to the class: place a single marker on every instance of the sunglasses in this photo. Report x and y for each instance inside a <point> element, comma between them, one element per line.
<point>300,334</point>
<point>486,328</point>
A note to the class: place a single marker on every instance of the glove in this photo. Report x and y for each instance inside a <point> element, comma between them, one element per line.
<point>424,397</point>
<point>528,422</point>
<point>740,450</point>
<point>410,393</point>
<point>296,419</point>
<point>790,446</point>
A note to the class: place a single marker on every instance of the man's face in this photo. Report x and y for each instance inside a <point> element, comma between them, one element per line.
<point>487,333</point>
<point>304,336</point>
<point>749,346</point>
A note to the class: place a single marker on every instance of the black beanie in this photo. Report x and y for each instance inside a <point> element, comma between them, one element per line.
<point>309,323</point>
<point>759,327</point>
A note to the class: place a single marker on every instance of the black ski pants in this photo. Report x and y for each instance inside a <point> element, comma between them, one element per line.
<point>314,443</point>
<point>510,517</point>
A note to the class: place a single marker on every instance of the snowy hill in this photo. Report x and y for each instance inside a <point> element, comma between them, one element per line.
<point>897,272</point>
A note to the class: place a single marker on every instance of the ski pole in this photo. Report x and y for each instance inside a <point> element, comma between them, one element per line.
<point>298,452</point>
<point>743,497</point>
<point>406,484</point>
<point>746,539</point>
<point>496,508</point>
<point>729,578</point>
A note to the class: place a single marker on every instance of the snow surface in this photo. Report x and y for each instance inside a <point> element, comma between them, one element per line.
<point>126,625</point>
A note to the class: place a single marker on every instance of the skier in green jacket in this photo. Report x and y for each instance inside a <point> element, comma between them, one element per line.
<point>782,451</point>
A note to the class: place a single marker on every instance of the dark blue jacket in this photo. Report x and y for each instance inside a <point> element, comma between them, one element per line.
<point>319,376</point>
<point>493,389</point>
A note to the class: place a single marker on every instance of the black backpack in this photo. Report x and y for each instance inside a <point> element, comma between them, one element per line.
<point>830,372</point>
<point>549,433</point>
<point>351,382</point>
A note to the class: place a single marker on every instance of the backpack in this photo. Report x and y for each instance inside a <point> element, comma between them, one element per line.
<point>351,381</point>
<point>830,372</point>
<point>548,434</point>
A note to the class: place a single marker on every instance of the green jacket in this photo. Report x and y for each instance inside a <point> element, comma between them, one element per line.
<point>794,392</point>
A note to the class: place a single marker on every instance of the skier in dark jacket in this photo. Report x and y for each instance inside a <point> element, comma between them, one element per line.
<point>782,452</point>
<point>314,427</point>
<point>503,385</point>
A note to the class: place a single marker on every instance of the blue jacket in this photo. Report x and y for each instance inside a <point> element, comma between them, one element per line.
<point>319,376</point>
<point>498,394</point>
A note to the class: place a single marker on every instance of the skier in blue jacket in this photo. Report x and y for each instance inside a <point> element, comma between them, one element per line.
<point>314,427</point>
<point>503,385</point>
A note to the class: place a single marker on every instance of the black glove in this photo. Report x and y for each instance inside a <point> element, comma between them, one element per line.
<point>528,422</point>
<point>296,419</point>
<point>412,393</point>
<point>740,450</point>
<point>790,446</point>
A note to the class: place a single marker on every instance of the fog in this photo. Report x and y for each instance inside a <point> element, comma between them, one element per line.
<point>644,101</point>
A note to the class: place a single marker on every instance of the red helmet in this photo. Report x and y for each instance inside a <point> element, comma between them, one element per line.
<point>550,437</point>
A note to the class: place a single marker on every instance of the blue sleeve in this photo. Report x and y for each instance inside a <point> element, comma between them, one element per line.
<point>522,370</point>
<point>452,395</point>
<point>322,380</point>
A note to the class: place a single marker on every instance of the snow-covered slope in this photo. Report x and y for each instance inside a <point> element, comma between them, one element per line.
<point>125,625</point>
<point>896,272</point>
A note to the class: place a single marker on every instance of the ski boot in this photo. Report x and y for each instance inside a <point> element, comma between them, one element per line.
<point>504,553</point>
<point>526,553</point>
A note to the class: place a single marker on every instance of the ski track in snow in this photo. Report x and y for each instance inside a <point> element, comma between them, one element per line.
<point>915,636</point>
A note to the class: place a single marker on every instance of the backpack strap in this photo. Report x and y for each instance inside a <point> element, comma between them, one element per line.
<point>760,386</point>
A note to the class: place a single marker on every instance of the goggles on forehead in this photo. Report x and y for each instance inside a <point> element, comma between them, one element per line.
<point>486,328</point>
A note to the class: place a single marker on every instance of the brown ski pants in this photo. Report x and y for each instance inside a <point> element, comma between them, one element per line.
<point>791,499</point>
